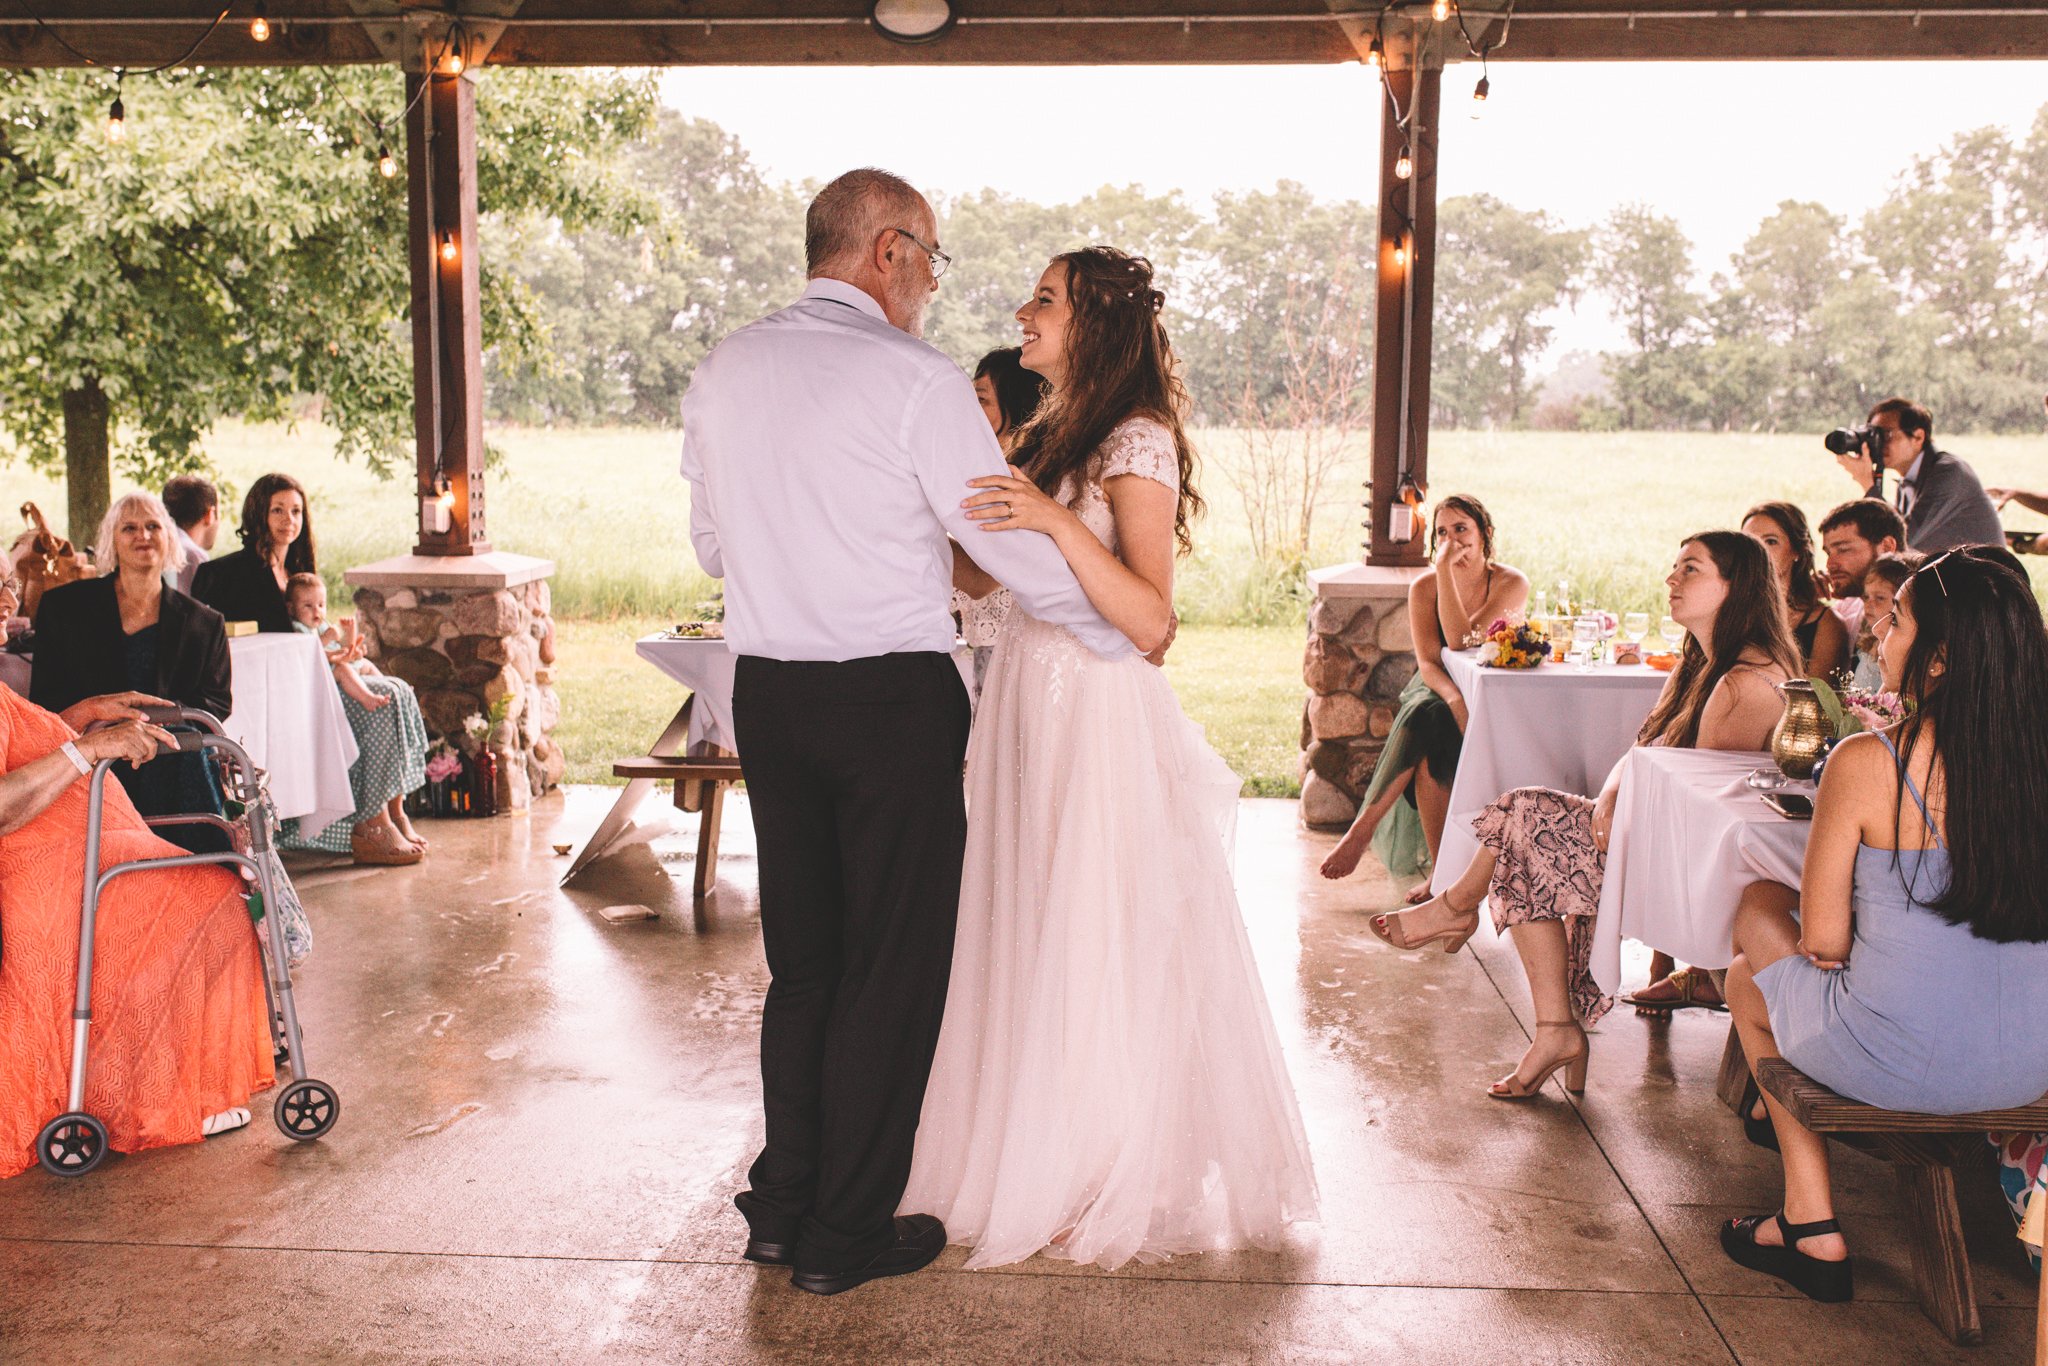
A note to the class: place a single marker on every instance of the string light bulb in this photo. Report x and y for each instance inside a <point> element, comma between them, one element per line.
<point>1440,11</point>
<point>1404,165</point>
<point>446,498</point>
<point>1401,251</point>
<point>117,120</point>
<point>1376,56</point>
<point>259,25</point>
<point>451,60</point>
<point>1479,96</point>
<point>448,252</point>
<point>387,165</point>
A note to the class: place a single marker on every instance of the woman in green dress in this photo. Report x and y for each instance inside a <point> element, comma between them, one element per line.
<point>1403,809</point>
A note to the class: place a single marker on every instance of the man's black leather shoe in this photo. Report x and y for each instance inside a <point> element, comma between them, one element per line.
<point>919,1240</point>
<point>770,1254</point>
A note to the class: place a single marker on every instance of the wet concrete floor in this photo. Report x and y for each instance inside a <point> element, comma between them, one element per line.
<point>545,1117</point>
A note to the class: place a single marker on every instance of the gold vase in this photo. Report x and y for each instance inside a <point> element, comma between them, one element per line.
<point>1803,731</point>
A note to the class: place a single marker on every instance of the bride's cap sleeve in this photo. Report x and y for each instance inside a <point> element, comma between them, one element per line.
<point>1142,447</point>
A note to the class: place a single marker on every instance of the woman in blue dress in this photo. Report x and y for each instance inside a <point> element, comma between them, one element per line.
<point>1910,971</point>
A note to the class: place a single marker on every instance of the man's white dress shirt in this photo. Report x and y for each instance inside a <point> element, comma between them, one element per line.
<point>827,454</point>
<point>195,555</point>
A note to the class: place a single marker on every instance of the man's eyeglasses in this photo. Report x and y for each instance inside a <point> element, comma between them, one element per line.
<point>938,258</point>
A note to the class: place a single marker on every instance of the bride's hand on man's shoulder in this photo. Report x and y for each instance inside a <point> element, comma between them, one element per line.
<point>1010,502</point>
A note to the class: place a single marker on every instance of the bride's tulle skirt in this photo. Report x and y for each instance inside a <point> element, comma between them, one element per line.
<point>1108,1082</point>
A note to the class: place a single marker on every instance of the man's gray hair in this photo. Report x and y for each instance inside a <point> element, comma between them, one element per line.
<point>850,213</point>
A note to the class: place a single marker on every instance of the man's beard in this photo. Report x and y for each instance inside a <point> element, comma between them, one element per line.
<point>911,299</point>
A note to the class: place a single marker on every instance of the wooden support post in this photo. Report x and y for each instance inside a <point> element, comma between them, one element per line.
<point>447,333</point>
<point>1406,297</point>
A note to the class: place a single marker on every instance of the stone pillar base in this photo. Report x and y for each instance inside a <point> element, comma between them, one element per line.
<point>1360,655</point>
<point>468,631</point>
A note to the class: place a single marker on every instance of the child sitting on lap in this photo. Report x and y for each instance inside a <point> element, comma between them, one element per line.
<point>305,597</point>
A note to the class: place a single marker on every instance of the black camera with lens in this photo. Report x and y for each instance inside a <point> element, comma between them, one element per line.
<point>1869,439</point>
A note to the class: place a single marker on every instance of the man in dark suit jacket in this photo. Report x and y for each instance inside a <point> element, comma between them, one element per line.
<point>1939,496</point>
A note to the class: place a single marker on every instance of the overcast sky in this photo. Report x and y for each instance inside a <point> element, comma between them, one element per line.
<point>1715,145</point>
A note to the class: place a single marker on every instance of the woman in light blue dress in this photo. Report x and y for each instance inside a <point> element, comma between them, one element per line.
<point>1910,971</point>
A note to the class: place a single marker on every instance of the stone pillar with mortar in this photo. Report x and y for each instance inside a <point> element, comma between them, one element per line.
<point>468,631</point>
<point>1360,655</point>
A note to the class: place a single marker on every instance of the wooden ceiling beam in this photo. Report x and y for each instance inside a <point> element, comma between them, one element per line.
<point>1011,32</point>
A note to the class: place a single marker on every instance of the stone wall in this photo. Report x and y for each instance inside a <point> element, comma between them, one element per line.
<point>1360,655</point>
<point>464,647</point>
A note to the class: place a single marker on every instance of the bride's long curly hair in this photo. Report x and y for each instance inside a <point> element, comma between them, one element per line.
<point>1119,365</point>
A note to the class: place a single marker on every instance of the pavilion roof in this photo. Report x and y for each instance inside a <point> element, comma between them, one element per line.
<point>1009,32</point>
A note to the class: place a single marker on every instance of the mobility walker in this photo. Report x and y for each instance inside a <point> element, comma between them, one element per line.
<point>75,1142</point>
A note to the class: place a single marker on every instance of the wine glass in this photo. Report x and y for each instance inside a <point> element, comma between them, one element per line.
<point>1673,633</point>
<point>1635,627</point>
<point>1585,631</point>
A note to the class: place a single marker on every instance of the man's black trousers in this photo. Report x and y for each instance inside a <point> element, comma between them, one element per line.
<point>853,776</point>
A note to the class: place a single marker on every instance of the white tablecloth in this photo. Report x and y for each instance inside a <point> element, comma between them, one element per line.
<point>1689,835</point>
<point>705,667</point>
<point>1551,726</point>
<point>288,715</point>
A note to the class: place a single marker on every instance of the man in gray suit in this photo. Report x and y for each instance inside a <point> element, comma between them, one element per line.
<point>1939,496</point>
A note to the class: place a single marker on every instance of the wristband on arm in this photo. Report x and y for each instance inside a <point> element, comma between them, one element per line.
<point>70,751</point>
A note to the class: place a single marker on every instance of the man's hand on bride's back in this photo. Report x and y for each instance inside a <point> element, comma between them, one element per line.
<point>1158,657</point>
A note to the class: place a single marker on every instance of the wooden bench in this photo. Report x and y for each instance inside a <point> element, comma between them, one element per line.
<point>1923,1150</point>
<point>700,783</point>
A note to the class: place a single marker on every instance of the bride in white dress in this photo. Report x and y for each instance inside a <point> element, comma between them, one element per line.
<point>1108,1083</point>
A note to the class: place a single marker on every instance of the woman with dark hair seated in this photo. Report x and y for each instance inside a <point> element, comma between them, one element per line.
<point>1544,853</point>
<point>277,542</point>
<point>1009,396</point>
<point>1910,970</point>
<point>1822,639</point>
<point>1402,811</point>
<point>129,630</point>
<point>180,1034</point>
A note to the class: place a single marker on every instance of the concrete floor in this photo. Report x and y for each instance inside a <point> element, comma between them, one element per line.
<point>545,1117</point>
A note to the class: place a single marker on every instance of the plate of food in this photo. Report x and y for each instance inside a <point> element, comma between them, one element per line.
<point>2023,541</point>
<point>1663,663</point>
<point>697,630</point>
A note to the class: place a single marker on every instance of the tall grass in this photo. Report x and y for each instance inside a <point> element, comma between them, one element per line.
<point>1605,510</point>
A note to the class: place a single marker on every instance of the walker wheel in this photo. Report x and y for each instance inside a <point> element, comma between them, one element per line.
<point>71,1144</point>
<point>306,1109</point>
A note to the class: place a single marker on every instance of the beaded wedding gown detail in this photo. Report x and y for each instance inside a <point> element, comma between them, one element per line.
<point>1108,1083</point>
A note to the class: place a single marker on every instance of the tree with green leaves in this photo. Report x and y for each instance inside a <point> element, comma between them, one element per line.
<point>1645,263</point>
<point>1501,273</point>
<point>237,250</point>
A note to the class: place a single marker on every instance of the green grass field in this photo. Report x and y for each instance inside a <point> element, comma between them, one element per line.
<point>1606,510</point>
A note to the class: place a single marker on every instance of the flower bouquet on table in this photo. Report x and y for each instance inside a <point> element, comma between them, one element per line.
<point>1851,711</point>
<point>1512,645</point>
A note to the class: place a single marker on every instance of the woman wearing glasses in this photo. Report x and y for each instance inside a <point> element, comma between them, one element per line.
<point>1910,969</point>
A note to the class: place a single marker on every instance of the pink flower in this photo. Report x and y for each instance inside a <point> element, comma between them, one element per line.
<point>442,767</point>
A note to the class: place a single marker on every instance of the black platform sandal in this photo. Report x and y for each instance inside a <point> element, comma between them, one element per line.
<point>1761,1132</point>
<point>1828,1282</point>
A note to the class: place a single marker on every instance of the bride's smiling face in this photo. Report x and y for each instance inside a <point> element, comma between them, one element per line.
<point>1044,320</point>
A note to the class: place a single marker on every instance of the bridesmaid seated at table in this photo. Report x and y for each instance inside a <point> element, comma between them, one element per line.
<point>130,631</point>
<point>1910,971</point>
<point>277,542</point>
<point>1543,853</point>
<point>1822,639</point>
<point>1401,815</point>
<point>391,743</point>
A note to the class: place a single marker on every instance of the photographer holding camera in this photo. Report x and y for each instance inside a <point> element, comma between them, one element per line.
<point>1939,496</point>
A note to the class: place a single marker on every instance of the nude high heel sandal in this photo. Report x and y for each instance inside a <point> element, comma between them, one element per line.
<point>1453,940</point>
<point>1574,1066</point>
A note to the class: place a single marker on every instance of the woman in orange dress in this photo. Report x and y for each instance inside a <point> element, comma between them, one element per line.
<point>178,1034</point>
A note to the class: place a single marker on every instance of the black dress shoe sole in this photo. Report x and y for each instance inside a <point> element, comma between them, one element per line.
<point>770,1254</point>
<point>837,1282</point>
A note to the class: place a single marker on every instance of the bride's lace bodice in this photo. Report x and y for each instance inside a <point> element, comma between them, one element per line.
<point>1137,445</point>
